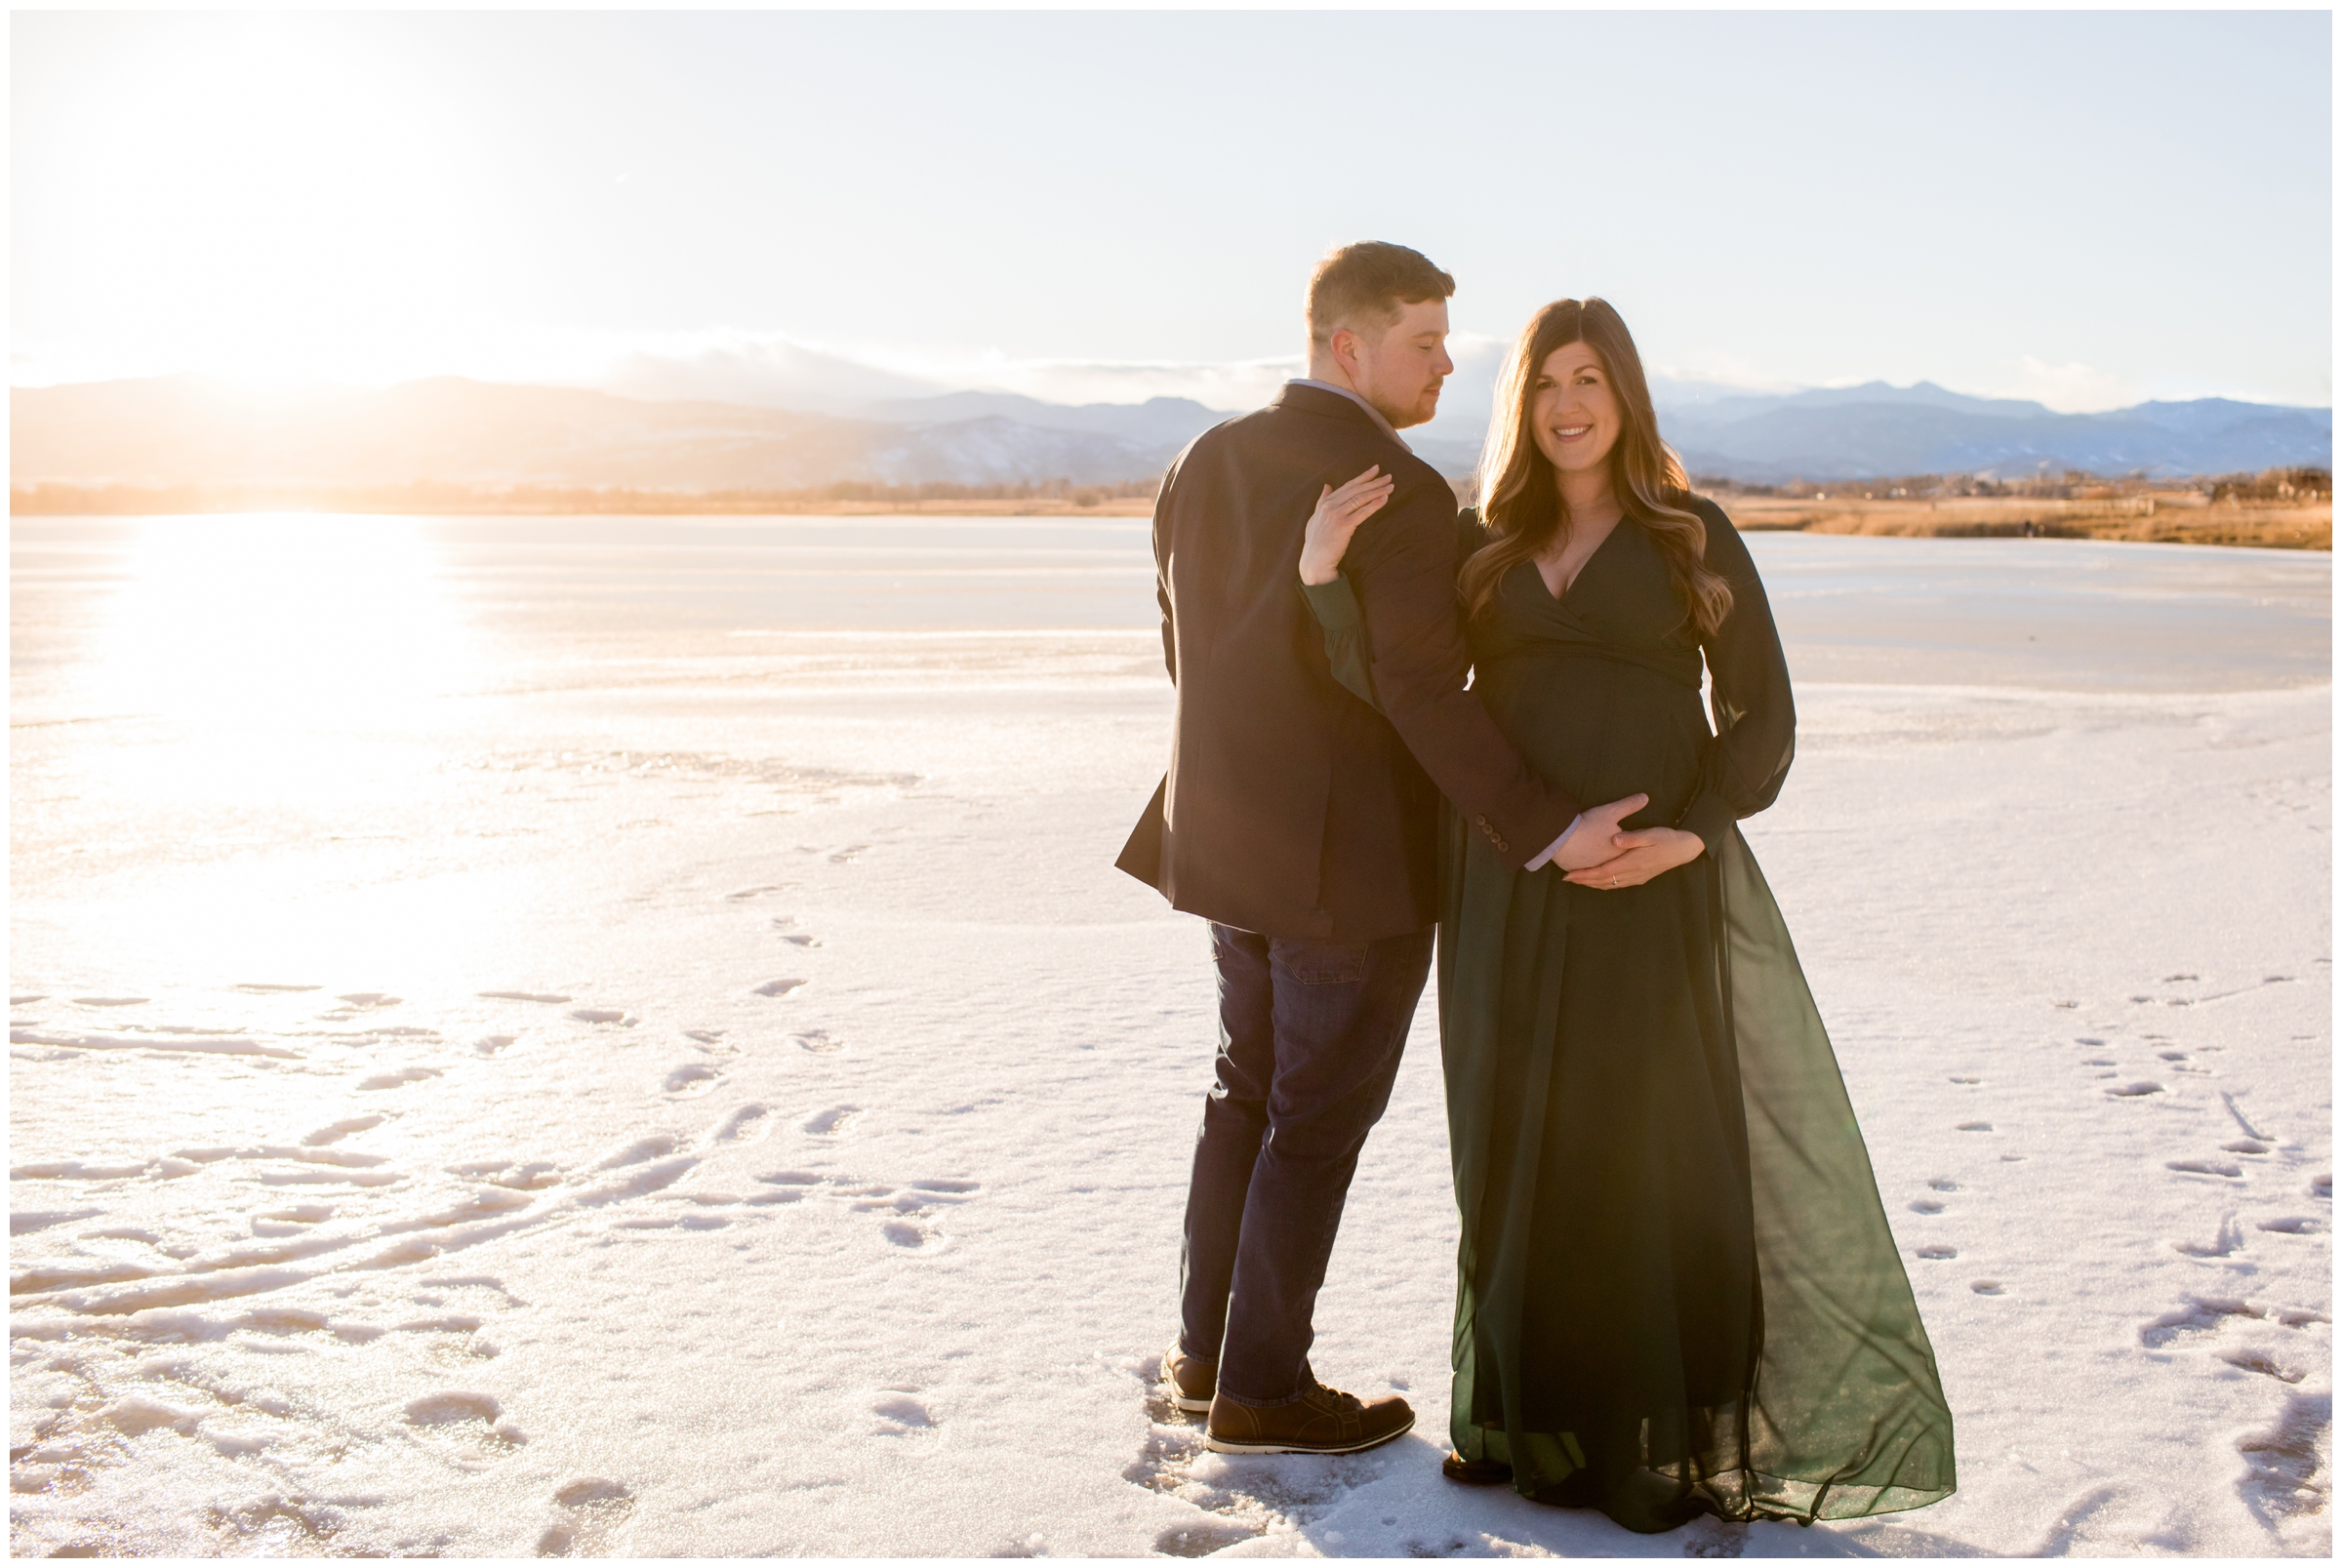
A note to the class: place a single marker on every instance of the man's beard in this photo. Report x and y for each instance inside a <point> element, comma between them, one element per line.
<point>1423,411</point>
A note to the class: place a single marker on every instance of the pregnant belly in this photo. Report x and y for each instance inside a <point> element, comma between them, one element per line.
<point>1601,730</point>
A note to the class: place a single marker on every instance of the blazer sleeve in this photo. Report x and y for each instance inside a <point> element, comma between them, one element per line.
<point>1163,567</point>
<point>1401,568</point>
<point>1741,769</point>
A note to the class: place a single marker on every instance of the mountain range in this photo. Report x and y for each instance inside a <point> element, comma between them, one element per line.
<point>1877,431</point>
<point>185,430</point>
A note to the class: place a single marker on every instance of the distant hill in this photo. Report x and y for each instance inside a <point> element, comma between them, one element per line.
<point>1877,431</point>
<point>185,430</point>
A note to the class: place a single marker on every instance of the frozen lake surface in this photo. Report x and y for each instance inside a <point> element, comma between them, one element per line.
<point>592,1035</point>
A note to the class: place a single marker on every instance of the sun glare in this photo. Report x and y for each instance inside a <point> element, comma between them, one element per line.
<point>279,629</point>
<point>268,200</point>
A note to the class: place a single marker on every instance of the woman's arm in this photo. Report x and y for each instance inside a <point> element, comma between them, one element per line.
<point>1330,597</point>
<point>1756,716</point>
<point>1344,626</point>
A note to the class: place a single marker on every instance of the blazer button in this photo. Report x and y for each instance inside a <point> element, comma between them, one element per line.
<point>1503,848</point>
<point>1481,823</point>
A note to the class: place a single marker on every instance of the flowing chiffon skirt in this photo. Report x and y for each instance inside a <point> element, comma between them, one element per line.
<point>1677,1288</point>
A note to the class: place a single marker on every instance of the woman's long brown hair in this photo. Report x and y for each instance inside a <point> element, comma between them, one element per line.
<point>1520,500</point>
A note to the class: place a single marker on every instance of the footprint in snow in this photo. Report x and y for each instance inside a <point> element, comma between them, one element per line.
<point>655,1147</point>
<point>400,1079</point>
<point>2207,1314</point>
<point>906,1211</point>
<point>257,988</point>
<point>370,999</point>
<point>2226,1169</point>
<point>800,938</point>
<point>743,894</point>
<point>691,1080</point>
<point>778,988</point>
<point>343,1129</point>
<point>524,997</point>
<point>471,1424</point>
<point>1927,1206</point>
<point>2135,1091</point>
<point>744,1124</point>
<point>1986,1287</point>
<point>788,1187</point>
<point>592,1511</point>
<point>603,1014</point>
<point>898,1412</point>
<point>1975,1127</point>
<point>2293,1224</point>
<point>833,1121</point>
<point>109,1001</point>
<point>490,1044</point>
<point>2250,1359</point>
<point>2225,1241</point>
<point>1942,1184</point>
<point>1937,1253</point>
<point>820,1042</point>
<point>1238,1498</point>
<point>520,1176</point>
<point>2246,1145</point>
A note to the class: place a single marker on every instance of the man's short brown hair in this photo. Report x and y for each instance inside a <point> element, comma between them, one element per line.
<point>1364,285</point>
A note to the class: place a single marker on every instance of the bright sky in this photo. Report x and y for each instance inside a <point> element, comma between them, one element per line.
<point>2089,208</point>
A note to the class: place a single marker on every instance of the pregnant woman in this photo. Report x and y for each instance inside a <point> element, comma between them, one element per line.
<point>1677,1292</point>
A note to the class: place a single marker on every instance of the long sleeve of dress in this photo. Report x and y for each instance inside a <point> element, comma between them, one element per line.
<point>1756,718</point>
<point>1343,625</point>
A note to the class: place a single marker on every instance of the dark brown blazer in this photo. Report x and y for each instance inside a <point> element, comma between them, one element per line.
<point>1291,808</point>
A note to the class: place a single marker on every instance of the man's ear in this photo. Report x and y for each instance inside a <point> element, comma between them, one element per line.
<point>1345,346</point>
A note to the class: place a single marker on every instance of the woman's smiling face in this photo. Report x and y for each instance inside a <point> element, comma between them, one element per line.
<point>1573,410</point>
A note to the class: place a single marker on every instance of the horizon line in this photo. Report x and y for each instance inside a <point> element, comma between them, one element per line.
<point>293,387</point>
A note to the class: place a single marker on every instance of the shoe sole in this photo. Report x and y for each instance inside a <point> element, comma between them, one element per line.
<point>1221,1445</point>
<point>1465,1477</point>
<point>1193,1407</point>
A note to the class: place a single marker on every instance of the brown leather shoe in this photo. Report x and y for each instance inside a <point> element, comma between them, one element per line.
<point>1475,1472</point>
<point>1189,1380</point>
<point>1323,1420</point>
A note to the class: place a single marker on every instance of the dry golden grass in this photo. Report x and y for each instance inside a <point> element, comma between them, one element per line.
<point>2166,518</point>
<point>1039,506</point>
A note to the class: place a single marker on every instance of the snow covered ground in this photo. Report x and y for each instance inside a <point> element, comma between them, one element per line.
<point>611,1038</point>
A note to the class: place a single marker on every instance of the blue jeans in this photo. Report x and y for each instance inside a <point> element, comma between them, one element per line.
<point>1309,1040</point>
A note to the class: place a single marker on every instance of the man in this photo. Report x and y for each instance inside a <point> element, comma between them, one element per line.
<point>1301,823</point>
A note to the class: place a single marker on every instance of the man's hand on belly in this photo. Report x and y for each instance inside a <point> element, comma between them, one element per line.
<point>1641,854</point>
<point>1588,842</point>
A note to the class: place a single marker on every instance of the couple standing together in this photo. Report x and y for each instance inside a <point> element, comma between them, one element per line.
<point>1677,1292</point>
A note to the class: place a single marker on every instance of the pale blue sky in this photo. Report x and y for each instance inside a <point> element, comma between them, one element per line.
<point>2090,206</point>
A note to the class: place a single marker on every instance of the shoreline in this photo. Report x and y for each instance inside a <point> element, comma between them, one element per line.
<point>2164,519</point>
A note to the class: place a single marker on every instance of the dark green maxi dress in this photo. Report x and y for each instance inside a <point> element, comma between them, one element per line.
<point>1677,1292</point>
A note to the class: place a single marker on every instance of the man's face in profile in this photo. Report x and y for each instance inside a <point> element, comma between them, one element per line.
<point>1400,372</point>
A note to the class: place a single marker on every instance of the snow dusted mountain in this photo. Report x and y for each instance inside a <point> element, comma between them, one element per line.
<point>1876,430</point>
<point>1158,422</point>
<point>184,430</point>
